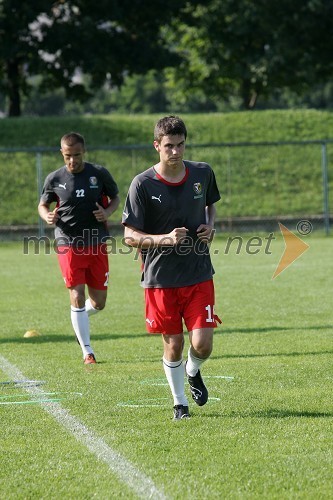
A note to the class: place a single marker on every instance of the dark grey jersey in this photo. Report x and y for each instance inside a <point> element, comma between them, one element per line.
<point>76,196</point>
<point>156,206</point>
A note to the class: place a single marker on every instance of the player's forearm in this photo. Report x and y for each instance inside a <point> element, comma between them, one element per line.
<point>139,239</point>
<point>43,211</point>
<point>112,207</point>
<point>210,215</point>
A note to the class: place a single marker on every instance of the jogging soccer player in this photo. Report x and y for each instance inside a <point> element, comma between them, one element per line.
<point>85,196</point>
<point>169,214</point>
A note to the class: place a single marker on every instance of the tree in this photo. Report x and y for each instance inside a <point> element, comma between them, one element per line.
<point>78,45</point>
<point>17,47</point>
<point>212,50</point>
<point>253,47</point>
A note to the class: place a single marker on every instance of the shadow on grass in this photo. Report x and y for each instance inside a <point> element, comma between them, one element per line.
<point>43,339</point>
<point>268,329</point>
<point>271,355</point>
<point>274,413</point>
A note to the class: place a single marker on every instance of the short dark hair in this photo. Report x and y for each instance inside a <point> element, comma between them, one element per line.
<point>72,138</point>
<point>169,125</point>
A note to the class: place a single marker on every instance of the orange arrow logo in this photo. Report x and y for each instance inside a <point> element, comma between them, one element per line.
<point>294,248</point>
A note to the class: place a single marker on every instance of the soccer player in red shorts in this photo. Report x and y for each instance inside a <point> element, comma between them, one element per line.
<point>85,196</point>
<point>169,214</point>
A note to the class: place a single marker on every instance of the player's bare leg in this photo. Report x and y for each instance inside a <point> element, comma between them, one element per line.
<point>173,346</point>
<point>96,300</point>
<point>77,295</point>
<point>201,340</point>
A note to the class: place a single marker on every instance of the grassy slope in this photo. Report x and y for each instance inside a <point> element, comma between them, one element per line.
<point>137,129</point>
<point>256,181</point>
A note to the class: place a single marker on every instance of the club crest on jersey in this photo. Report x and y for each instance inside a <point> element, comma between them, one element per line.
<point>197,188</point>
<point>93,182</point>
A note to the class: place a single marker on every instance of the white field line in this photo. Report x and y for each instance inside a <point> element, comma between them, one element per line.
<point>142,485</point>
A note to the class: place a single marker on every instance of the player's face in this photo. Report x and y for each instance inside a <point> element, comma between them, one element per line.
<point>73,157</point>
<point>171,149</point>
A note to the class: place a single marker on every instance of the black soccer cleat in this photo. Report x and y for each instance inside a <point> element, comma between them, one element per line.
<point>180,412</point>
<point>198,389</point>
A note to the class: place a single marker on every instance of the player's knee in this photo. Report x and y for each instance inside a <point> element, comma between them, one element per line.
<point>99,305</point>
<point>77,299</point>
<point>173,347</point>
<point>205,352</point>
<point>202,350</point>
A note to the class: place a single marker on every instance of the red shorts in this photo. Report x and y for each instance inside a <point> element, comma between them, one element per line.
<point>86,265</point>
<point>166,308</point>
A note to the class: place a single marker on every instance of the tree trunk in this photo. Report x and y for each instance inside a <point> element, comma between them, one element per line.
<point>249,95</point>
<point>13,76</point>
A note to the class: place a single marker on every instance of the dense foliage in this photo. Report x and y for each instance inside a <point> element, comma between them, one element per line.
<point>196,54</point>
<point>79,45</point>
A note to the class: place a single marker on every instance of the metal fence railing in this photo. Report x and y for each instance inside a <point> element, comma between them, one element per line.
<point>260,183</point>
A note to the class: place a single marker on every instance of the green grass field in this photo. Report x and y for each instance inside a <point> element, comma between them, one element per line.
<point>266,431</point>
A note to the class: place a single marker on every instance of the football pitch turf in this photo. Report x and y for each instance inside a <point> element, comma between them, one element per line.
<point>106,430</point>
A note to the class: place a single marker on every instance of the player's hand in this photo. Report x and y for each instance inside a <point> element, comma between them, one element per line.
<point>205,233</point>
<point>52,217</point>
<point>100,213</point>
<point>176,236</point>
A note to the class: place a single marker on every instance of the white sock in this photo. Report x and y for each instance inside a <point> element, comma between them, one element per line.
<point>174,371</point>
<point>89,308</point>
<point>193,364</point>
<point>80,324</point>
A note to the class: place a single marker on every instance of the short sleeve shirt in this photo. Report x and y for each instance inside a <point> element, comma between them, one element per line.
<point>156,206</point>
<point>76,196</point>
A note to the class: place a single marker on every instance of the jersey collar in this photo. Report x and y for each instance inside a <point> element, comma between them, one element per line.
<point>160,178</point>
